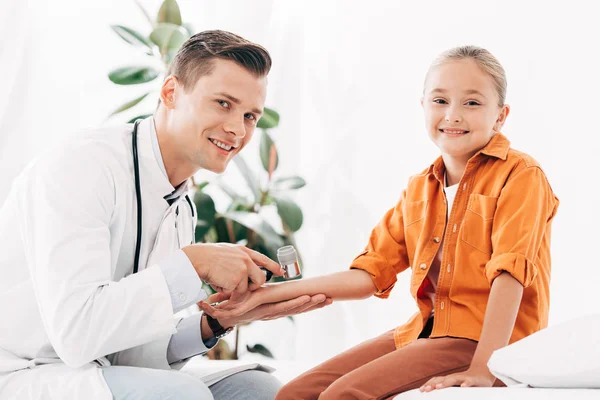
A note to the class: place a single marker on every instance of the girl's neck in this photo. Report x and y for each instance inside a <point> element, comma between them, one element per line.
<point>455,169</point>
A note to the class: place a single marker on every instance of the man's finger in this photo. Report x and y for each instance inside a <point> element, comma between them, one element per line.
<point>256,277</point>
<point>217,298</point>
<point>264,261</point>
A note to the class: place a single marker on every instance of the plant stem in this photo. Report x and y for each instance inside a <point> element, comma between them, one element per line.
<point>145,13</point>
<point>237,342</point>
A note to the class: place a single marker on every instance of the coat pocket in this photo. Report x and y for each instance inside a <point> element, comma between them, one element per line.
<point>477,225</point>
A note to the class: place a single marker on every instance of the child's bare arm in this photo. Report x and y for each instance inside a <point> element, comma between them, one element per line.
<point>498,324</point>
<point>346,285</point>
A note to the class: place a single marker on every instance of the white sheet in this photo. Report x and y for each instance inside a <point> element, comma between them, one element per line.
<point>502,394</point>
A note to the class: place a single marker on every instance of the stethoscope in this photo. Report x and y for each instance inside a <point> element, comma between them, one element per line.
<point>138,195</point>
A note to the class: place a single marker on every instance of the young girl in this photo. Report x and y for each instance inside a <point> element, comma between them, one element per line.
<point>474,228</point>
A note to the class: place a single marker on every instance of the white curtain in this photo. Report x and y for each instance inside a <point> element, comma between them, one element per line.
<point>346,79</point>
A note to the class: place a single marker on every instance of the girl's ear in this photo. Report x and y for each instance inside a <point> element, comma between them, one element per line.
<point>504,111</point>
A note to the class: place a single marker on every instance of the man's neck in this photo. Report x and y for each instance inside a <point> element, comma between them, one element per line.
<point>177,169</point>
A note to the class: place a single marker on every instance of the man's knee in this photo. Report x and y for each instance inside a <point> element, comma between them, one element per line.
<point>251,385</point>
<point>144,383</point>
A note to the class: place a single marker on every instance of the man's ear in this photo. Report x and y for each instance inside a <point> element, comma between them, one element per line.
<point>167,91</point>
<point>502,118</point>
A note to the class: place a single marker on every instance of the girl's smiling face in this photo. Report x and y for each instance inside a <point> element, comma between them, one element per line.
<point>461,108</point>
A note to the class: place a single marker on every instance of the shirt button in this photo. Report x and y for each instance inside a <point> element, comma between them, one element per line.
<point>423,266</point>
<point>448,267</point>
<point>182,297</point>
<point>442,305</point>
<point>436,239</point>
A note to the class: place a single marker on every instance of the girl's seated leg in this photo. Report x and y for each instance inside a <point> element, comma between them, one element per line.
<point>375,369</point>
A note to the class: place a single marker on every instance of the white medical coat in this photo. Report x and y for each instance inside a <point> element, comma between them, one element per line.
<point>67,242</point>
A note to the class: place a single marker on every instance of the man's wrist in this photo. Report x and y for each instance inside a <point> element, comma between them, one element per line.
<point>211,327</point>
<point>189,252</point>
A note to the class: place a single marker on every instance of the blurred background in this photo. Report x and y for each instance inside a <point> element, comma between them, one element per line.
<point>346,83</point>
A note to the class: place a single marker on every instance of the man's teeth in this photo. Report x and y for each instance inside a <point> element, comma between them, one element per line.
<point>221,145</point>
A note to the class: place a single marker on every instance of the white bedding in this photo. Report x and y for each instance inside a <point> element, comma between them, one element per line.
<point>502,394</point>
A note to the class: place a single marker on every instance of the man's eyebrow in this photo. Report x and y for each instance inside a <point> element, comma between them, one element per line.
<point>237,101</point>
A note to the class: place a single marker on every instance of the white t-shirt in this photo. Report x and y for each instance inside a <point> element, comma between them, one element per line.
<point>434,272</point>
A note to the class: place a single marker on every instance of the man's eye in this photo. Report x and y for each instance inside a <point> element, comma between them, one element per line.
<point>223,103</point>
<point>439,101</point>
<point>250,117</point>
<point>473,103</point>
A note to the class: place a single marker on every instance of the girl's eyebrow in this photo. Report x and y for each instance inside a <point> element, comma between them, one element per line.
<point>468,91</point>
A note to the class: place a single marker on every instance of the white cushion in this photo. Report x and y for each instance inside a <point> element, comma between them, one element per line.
<point>566,355</point>
<point>455,393</point>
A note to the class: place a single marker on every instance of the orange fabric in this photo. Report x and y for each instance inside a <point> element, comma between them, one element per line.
<point>500,221</point>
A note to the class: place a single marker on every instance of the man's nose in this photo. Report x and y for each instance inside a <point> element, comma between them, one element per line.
<point>236,126</point>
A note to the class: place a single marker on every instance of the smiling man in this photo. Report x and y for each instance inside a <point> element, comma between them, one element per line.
<point>97,245</point>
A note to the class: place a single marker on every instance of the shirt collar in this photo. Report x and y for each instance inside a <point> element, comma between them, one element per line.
<point>153,176</point>
<point>497,147</point>
<point>182,188</point>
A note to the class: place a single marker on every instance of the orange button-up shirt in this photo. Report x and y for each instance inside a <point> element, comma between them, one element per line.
<point>500,221</point>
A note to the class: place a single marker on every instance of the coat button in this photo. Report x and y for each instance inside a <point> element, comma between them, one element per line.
<point>436,239</point>
<point>423,266</point>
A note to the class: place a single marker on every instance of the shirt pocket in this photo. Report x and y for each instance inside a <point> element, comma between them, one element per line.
<point>414,211</point>
<point>414,217</point>
<point>477,225</point>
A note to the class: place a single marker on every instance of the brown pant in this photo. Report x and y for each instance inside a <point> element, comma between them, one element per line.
<point>376,370</point>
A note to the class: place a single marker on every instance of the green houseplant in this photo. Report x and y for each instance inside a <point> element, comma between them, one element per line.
<point>243,220</point>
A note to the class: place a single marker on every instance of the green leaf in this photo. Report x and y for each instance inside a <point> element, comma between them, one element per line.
<point>129,104</point>
<point>143,116</point>
<point>169,12</point>
<point>290,213</point>
<point>205,207</point>
<point>288,183</point>
<point>133,75</point>
<point>229,191</point>
<point>202,185</point>
<point>248,176</point>
<point>189,28</point>
<point>256,223</point>
<point>132,37</point>
<point>270,119</point>
<point>260,349</point>
<point>266,144</point>
<point>169,38</point>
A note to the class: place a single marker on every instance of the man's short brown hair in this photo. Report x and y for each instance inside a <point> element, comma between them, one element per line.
<point>194,58</point>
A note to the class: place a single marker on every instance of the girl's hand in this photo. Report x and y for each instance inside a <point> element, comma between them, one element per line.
<point>474,376</point>
<point>237,304</point>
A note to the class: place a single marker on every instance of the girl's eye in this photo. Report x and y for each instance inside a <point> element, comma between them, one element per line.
<point>439,101</point>
<point>473,103</point>
<point>250,117</point>
<point>223,103</point>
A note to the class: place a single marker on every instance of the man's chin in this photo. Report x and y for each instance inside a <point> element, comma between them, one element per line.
<point>217,169</point>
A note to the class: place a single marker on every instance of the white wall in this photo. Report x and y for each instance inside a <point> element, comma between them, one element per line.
<point>346,79</point>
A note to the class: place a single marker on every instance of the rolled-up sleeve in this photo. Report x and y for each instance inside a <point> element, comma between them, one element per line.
<point>385,255</point>
<point>525,208</point>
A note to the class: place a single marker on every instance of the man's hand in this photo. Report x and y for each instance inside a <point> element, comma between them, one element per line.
<point>271,311</point>
<point>480,377</point>
<point>230,268</point>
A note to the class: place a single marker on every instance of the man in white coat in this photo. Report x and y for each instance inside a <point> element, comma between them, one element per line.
<point>76,319</point>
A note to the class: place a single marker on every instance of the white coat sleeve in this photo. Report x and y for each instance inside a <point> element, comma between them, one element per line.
<point>66,216</point>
